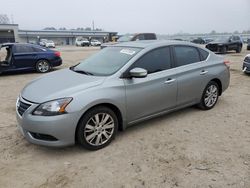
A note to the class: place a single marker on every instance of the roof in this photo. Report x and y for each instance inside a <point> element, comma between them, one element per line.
<point>153,43</point>
<point>12,44</point>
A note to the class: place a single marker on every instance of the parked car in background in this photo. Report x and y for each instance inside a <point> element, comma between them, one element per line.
<point>95,42</point>
<point>132,37</point>
<point>42,42</point>
<point>246,64</point>
<point>19,57</point>
<point>248,44</point>
<point>49,44</point>
<point>117,87</point>
<point>201,40</point>
<point>224,44</point>
<point>82,42</point>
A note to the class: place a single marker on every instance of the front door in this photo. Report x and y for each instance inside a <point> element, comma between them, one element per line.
<point>24,57</point>
<point>154,93</point>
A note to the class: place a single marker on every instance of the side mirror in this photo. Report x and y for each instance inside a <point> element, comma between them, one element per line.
<point>138,73</point>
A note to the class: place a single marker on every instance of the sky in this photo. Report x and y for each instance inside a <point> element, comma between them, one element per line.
<point>130,16</point>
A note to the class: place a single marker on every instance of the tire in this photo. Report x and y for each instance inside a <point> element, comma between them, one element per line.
<point>42,66</point>
<point>92,135</point>
<point>238,50</point>
<point>210,96</point>
<point>223,49</point>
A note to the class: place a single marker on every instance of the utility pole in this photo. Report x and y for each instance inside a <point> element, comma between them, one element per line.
<point>93,25</point>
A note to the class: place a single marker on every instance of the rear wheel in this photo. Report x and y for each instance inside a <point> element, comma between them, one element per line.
<point>42,66</point>
<point>97,128</point>
<point>238,50</point>
<point>210,96</point>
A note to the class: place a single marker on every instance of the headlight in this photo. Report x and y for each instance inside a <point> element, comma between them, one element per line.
<point>52,108</point>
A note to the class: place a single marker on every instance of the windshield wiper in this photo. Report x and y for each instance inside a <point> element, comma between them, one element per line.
<point>81,71</point>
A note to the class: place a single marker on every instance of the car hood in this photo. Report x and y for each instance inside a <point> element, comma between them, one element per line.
<point>59,84</point>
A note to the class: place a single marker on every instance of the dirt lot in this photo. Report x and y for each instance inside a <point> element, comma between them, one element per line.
<point>189,148</point>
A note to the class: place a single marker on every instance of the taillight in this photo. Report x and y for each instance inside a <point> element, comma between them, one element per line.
<point>227,63</point>
<point>58,54</point>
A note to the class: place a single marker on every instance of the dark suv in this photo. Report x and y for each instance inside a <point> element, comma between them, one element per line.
<point>248,44</point>
<point>131,37</point>
<point>224,44</point>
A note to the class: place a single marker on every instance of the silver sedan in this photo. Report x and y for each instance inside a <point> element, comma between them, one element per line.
<point>117,87</point>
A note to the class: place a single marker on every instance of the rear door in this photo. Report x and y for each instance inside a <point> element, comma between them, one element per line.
<point>192,73</point>
<point>24,56</point>
<point>154,93</point>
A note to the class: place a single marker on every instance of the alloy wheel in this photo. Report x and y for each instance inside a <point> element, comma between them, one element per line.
<point>211,96</point>
<point>99,129</point>
<point>43,66</point>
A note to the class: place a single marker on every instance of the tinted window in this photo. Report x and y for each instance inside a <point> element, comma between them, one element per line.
<point>23,49</point>
<point>140,37</point>
<point>236,38</point>
<point>150,36</point>
<point>154,61</point>
<point>186,55</point>
<point>204,54</point>
<point>36,49</point>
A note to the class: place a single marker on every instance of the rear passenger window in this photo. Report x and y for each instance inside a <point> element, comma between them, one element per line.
<point>186,55</point>
<point>155,60</point>
<point>23,49</point>
<point>204,54</point>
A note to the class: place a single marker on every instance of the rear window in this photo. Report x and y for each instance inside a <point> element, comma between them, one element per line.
<point>150,36</point>
<point>204,54</point>
<point>37,49</point>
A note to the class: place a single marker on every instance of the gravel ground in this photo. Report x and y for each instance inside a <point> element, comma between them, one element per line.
<point>189,148</point>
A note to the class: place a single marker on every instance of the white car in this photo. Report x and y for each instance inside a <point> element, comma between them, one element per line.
<point>82,42</point>
<point>50,44</point>
<point>95,42</point>
<point>42,42</point>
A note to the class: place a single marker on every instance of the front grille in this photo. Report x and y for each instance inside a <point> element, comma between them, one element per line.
<point>22,107</point>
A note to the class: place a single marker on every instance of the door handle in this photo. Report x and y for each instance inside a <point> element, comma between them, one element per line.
<point>169,81</point>
<point>203,72</point>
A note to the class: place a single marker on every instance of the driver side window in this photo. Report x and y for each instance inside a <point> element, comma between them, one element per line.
<point>155,60</point>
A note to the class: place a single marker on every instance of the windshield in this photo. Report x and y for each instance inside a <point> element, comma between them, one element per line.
<point>107,61</point>
<point>222,39</point>
<point>125,38</point>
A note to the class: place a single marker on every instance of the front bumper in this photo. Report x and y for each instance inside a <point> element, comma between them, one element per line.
<point>246,67</point>
<point>56,131</point>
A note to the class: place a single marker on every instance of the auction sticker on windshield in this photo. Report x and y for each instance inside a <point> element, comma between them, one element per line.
<point>127,51</point>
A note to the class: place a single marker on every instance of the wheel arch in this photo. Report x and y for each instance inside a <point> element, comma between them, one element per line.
<point>113,107</point>
<point>219,84</point>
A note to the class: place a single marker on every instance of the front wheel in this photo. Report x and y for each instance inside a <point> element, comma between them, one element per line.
<point>210,96</point>
<point>97,128</point>
<point>42,66</point>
